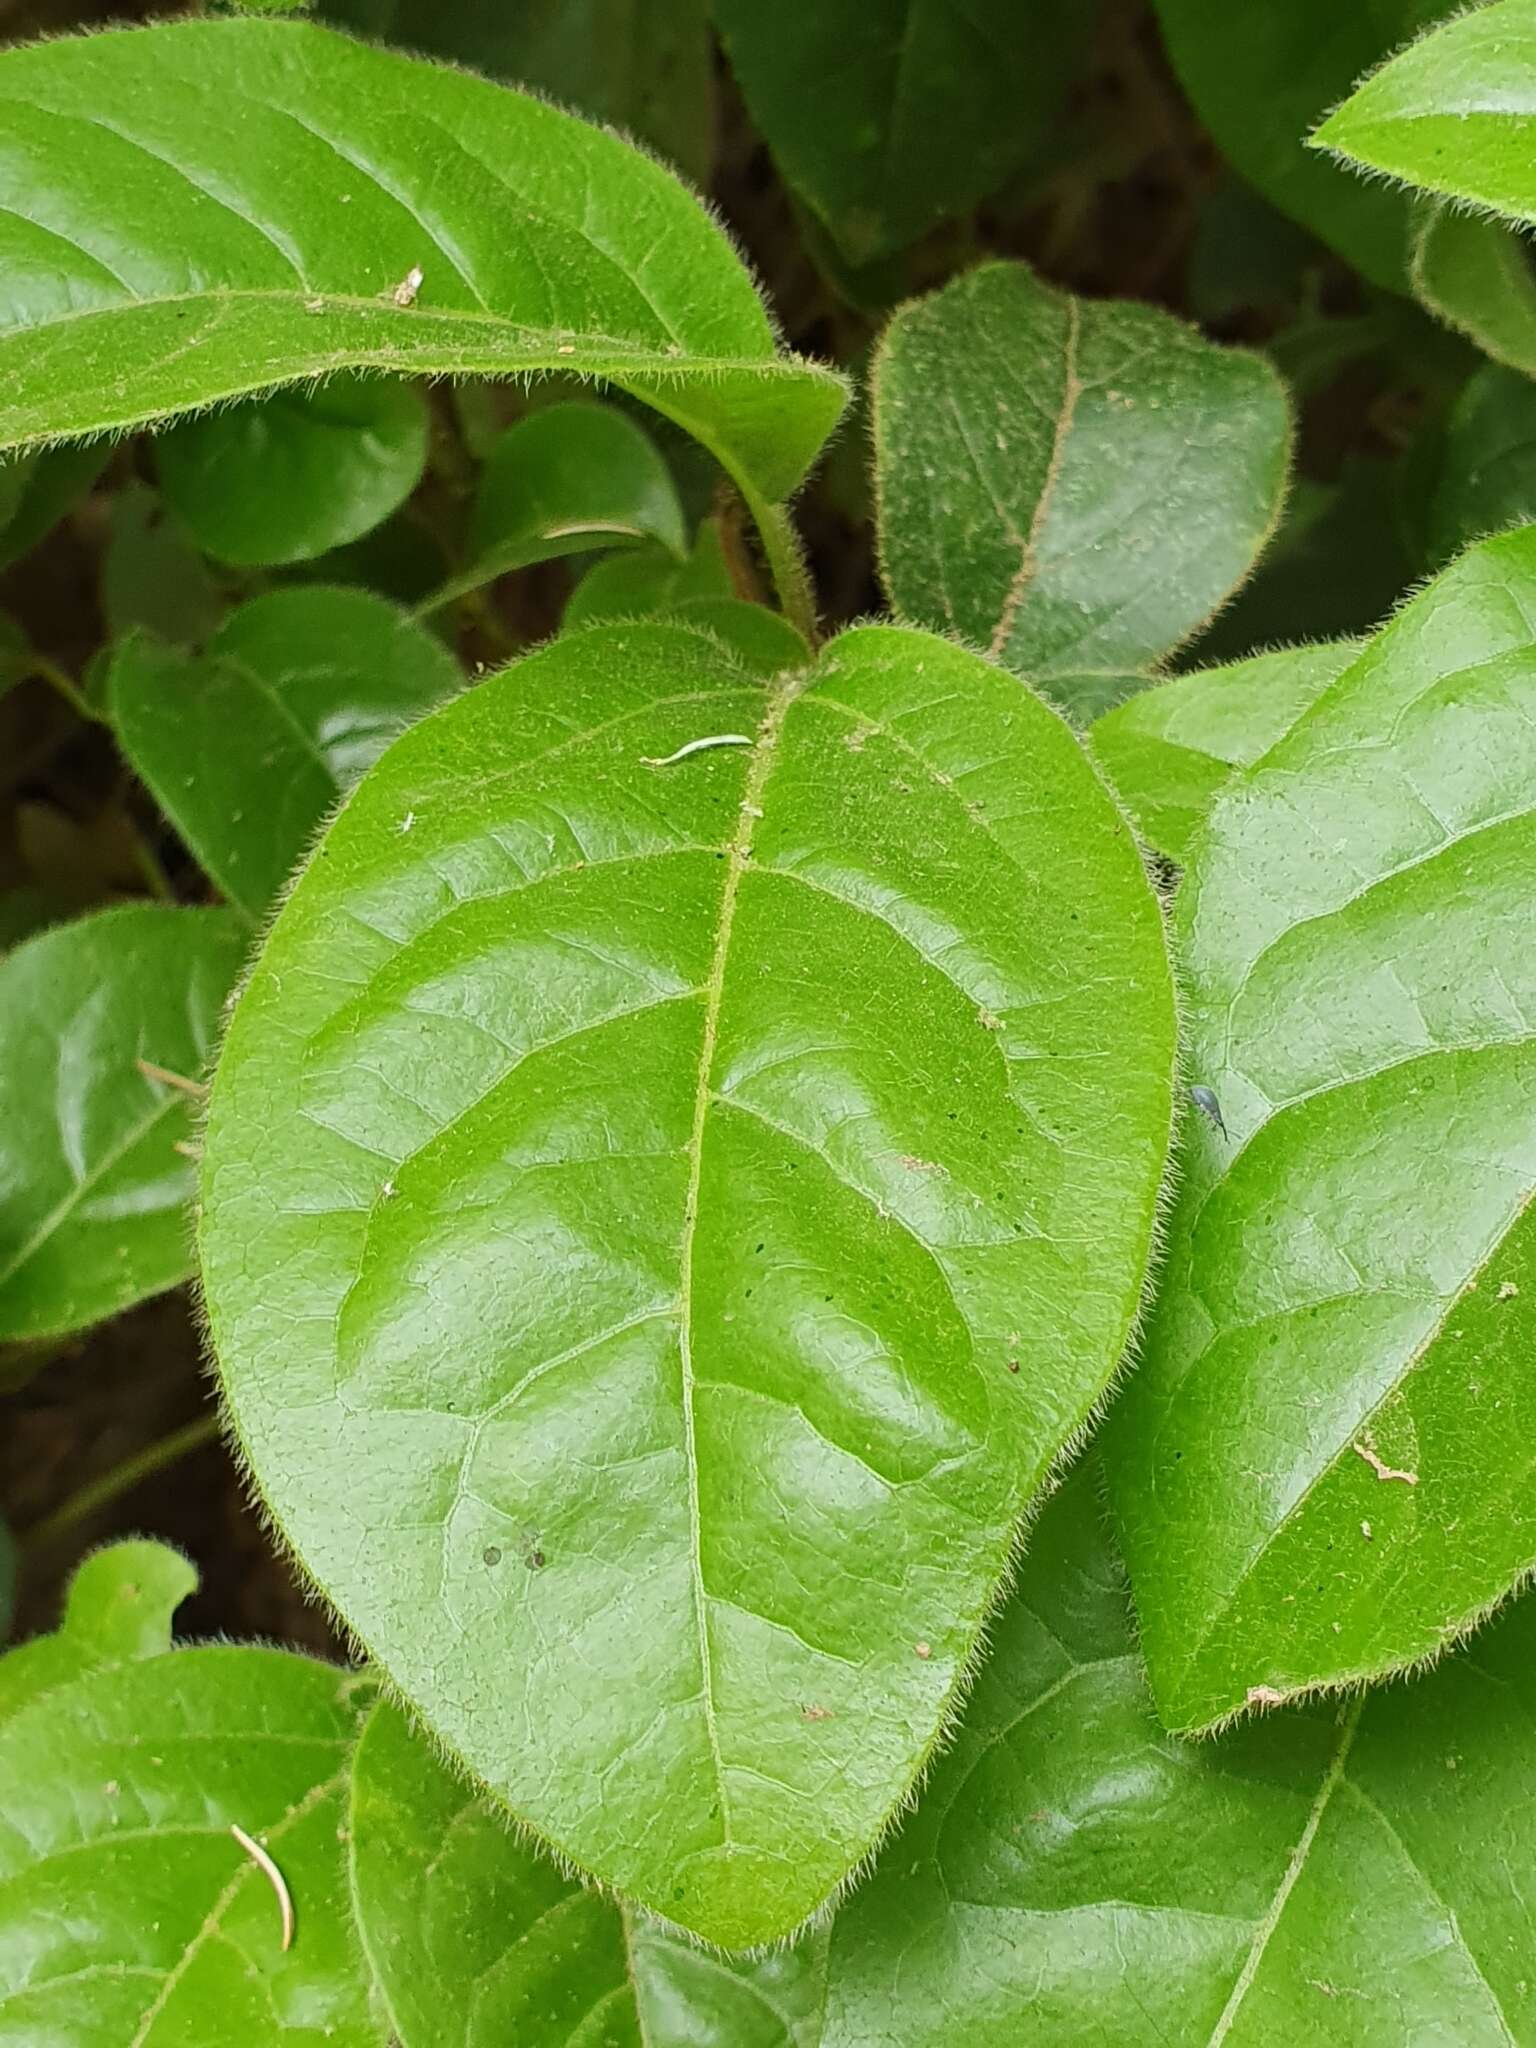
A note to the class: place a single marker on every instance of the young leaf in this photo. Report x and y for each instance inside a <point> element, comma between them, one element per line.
<point>92,1186</point>
<point>288,477</point>
<point>643,66</point>
<point>476,1940</point>
<point>691,1326</point>
<point>1487,467</point>
<point>650,582</point>
<point>119,1607</point>
<point>1319,1469</point>
<point>1451,113</point>
<point>564,481</point>
<point>1070,484</point>
<point>130,1910</point>
<point>888,116</point>
<point>1477,276</point>
<point>1171,750</point>
<point>201,209</point>
<point>1346,1876</point>
<point>1260,77</point>
<point>246,746</point>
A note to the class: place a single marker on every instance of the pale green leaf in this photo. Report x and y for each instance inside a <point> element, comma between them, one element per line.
<point>658,1289</point>
<point>647,582</point>
<point>290,476</point>
<point>92,1186</point>
<point>1477,276</point>
<point>1451,113</point>
<point>1355,1878</point>
<point>564,481</point>
<point>478,1941</point>
<point>131,1915</point>
<point>645,66</point>
<point>201,209</point>
<point>1068,483</point>
<point>1486,472</point>
<point>119,1607</point>
<point>247,745</point>
<point>1170,750</point>
<point>1319,1468</point>
<point>889,116</point>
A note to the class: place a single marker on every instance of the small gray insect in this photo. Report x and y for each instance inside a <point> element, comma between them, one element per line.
<point>1205,1101</point>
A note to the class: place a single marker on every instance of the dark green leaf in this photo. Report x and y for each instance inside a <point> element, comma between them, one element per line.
<point>246,746</point>
<point>1170,750</point>
<point>152,578</point>
<point>1320,1465</point>
<point>1487,463</point>
<point>54,479</point>
<point>130,1911</point>
<point>1452,112</point>
<point>1070,484</point>
<point>119,1607</point>
<point>1073,1875</point>
<point>477,1941</point>
<point>647,582</point>
<point>92,1186</point>
<point>290,476</point>
<point>202,209</point>
<point>1477,277</point>
<point>890,115</point>
<point>656,1289</point>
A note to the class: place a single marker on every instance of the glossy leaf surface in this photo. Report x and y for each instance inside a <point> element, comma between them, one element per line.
<point>1073,485</point>
<point>1452,112</point>
<point>890,115</point>
<point>246,745</point>
<point>119,1607</point>
<point>1319,1469</point>
<point>1262,77</point>
<point>206,208</point>
<point>568,479</point>
<point>477,1940</point>
<point>660,1297</point>
<point>92,1187</point>
<point>288,477</point>
<point>1171,749</point>
<point>1358,1878</point>
<point>129,1911</point>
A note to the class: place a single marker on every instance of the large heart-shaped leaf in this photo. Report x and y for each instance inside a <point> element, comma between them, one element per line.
<point>1452,112</point>
<point>1359,1878</point>
<point>1321,1468</point>
<point>1073,485</point>
<point>99,1021</point>
<point>247,743</point>
<point>206,208</point>
<point>131,1912</point>
<point>687,1154</point>
<point>476,1940</point>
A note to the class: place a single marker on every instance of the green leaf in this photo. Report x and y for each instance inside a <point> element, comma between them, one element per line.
<point>288,477</point>
<point>645,66</point>
<point>1070,484</point>
<point>1319,1467</point>
<point>53,481</point>
<point>657,1290</point>
<point>1451,113</point>
<point>92,1186</point>
<point>1171,750</point>
<point>247,745</point>
<point>1477,277</point>
<point>1487,469</point>
<point>129,1909</point>
<point>203,209</point>
<point>649,582</point>
<point>1073,1875</point>
<point>1261,76</point>
<point>760,640</point>
<point>118,1608</point>
<point>888,116</point>
<point>152,579</point>
<point>564,481</point>
<point>477,1941</point>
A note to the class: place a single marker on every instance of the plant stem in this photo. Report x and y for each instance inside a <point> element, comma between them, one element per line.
<point>786,565</point>
<point>49,672</point>
<point>153,1458</point>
